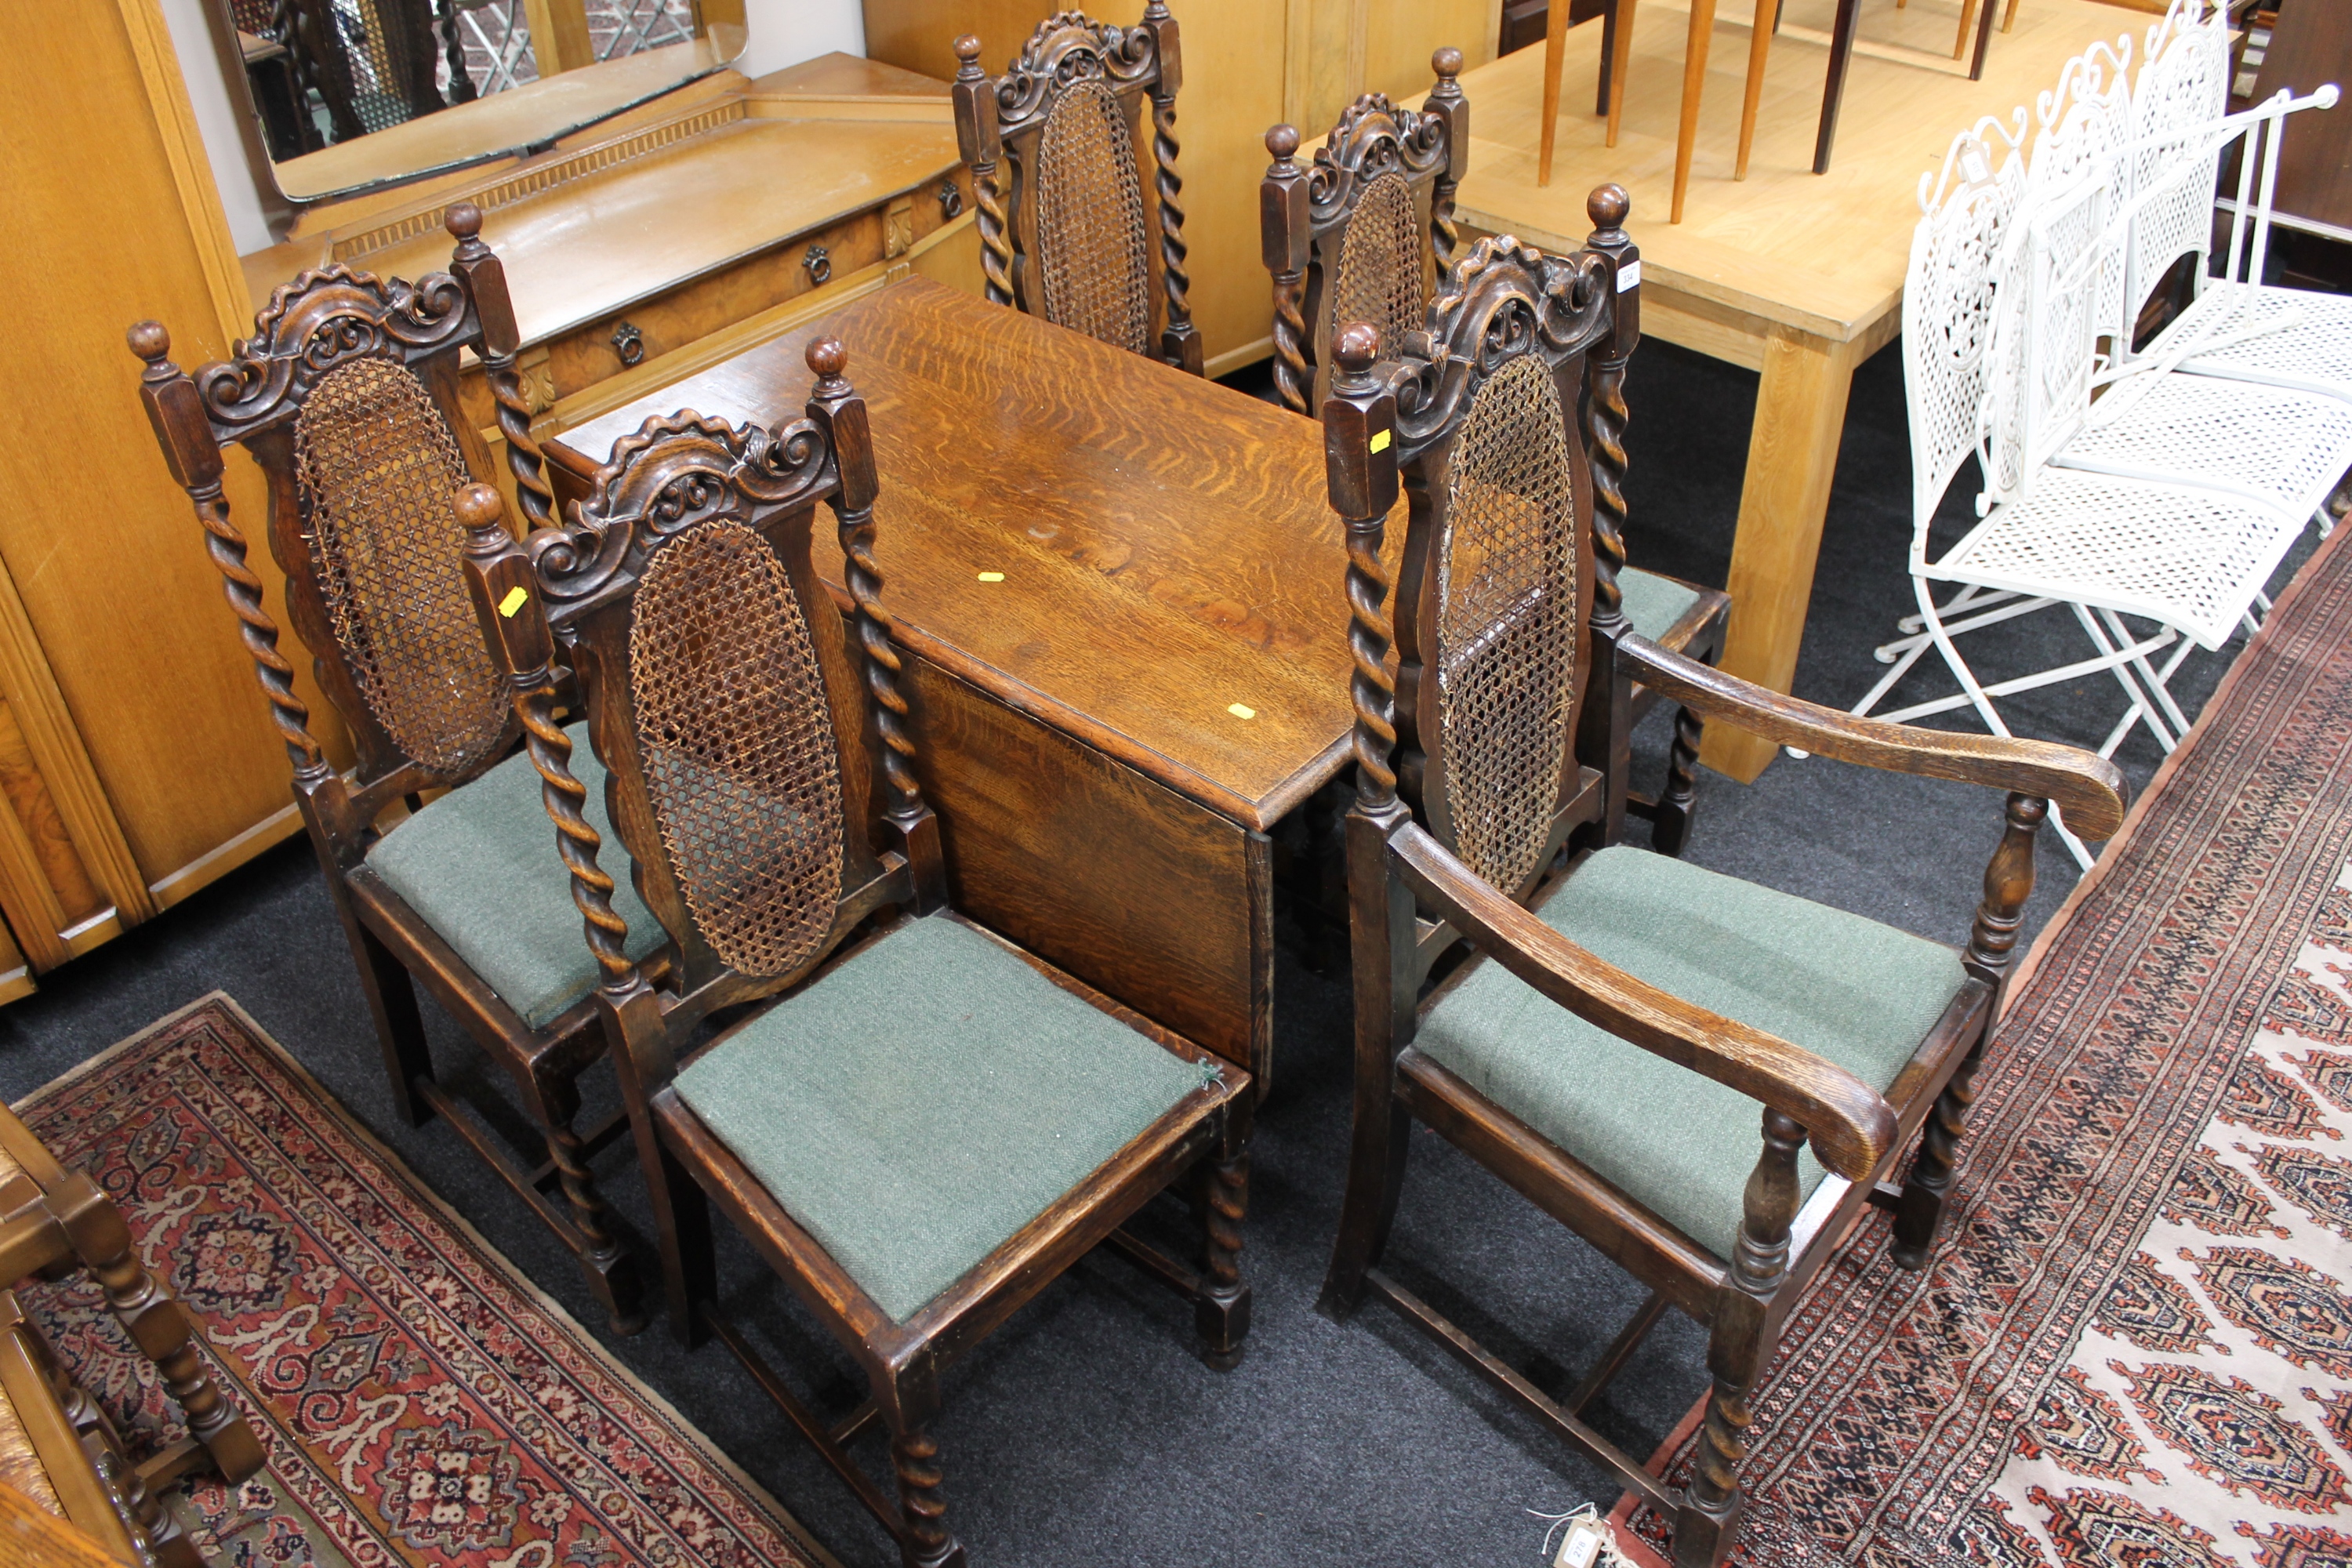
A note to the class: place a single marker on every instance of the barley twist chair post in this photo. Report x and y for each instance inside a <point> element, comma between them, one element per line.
<point>982,147</point>
<point>194,458</point>
<point>1180,344</point>
<point>485,277</point>
<point>1285,229</point>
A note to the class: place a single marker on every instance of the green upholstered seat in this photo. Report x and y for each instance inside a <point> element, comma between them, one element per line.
<point>1653,604</point>
<point>924,1101</point>
<point>480,867</point>
<point>1860,994</point>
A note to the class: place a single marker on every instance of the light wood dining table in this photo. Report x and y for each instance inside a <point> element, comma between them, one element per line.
<point>1119,588</point>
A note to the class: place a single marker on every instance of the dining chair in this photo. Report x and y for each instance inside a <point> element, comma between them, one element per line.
<point>918,1125</point>
<point>1362,232</point>
<point>56,1222</point>
<point>1623,1023</point>
<point>1064,231</point>
<point>346,395</point>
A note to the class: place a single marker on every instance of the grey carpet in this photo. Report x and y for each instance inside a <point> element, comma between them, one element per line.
<point>1084,1432</point>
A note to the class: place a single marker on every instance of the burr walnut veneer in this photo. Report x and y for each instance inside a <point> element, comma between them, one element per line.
<point>1116,584</point>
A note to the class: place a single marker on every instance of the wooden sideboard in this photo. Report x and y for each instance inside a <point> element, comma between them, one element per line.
<point>732,213</point>
<point>1248,65</point>
<point>137,761</point>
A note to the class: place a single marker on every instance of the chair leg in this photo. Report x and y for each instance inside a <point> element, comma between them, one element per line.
<point>2008,17</point>
<point>1920,1211</point>
<point>1600,95</point>
<point>923,1541</point>
<point>1702,34</point>
<point>1555,54</point>
<point>1678,802</point>
<point>1967,19</point>
<point>157,1324</point>
<point>612,1275</point>
<point>1222,1312</point>
<point>392,1005</point>
<point>1375,1182</point>
<point>689,1262</point>
<point>1706,1526</point>
<point>1849,15</point>
<point>1760,46</point>
<point>1621,61</point>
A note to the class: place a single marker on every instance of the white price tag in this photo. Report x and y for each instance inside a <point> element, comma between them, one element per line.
<point>1630,275</point>
<point>1581,1546</point>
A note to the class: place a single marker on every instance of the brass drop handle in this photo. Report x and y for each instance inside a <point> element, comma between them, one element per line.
<point>628,342</point>
<point>819,265</point>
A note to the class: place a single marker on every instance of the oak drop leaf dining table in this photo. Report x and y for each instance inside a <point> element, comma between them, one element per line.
<point>1118,590</point>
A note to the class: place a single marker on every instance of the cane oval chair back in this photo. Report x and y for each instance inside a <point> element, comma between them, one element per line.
<point>1093,265</point>
<point>347,396</point>
<point>1064,229</point>
<point>1496,585</point>
<point>376,465</point>
<point>1366,233</point>
<point>724,698</point>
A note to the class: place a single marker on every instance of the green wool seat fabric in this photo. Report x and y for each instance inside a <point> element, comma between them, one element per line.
<point>924,1101</point>
<point>479,865</point>
<point>1652,602</point>
<point>1856,992</point>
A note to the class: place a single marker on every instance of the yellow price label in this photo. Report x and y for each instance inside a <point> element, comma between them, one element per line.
<point>515,600</point>
<point>1380,441</point>
<point>1239,711</point>
<point>992,576</point>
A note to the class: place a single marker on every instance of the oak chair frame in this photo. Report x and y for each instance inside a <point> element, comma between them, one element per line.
<point>318,323</point>
<point>55,1222</point>
<point>1415,902</point>
<point>577,583</point>
<point>1306,213</point>
<point>1000,122</point>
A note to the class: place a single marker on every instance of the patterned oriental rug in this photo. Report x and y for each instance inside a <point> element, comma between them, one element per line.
<point>421,1403</point>
<point>2133,1345</point>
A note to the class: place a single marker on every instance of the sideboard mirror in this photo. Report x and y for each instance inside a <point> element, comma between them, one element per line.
<point>352,96</point>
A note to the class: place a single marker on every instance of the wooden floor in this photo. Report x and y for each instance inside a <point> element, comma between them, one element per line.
<point>1824,253</point>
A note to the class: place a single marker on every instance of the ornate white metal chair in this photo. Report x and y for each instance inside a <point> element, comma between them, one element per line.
<point>2003,314</point>
<point>2237,328</point>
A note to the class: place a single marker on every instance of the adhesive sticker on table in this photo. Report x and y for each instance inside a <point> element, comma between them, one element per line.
<point>1239,711</point>
<point>515,600</point>
<point>992,576</point>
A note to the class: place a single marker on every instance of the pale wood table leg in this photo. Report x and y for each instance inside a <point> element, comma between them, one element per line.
<point>1792,455</point>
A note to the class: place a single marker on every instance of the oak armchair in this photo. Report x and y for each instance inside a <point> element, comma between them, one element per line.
<point>1064,231</point>
<point>346,395</point>
<point>916,1123</point>
<point>1620,1019</point>
<point>56,1445</point>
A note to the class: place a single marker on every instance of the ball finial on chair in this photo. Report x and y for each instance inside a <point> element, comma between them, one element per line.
<point>148,341</point>
<point>1282,140</point>
<point>1608,207</point>
<point>1446,62</point>
<point>967,48</point>
<point>1356,347</point>
<point>828,358</point>
<point>479,506</point>
<point>463,220</point>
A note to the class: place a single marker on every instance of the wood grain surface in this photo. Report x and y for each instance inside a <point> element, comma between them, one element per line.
<point>1166,549</point>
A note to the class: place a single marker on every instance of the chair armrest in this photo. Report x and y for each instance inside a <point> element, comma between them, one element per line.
<point>1850,1125</point>
<point>2088,787</point>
